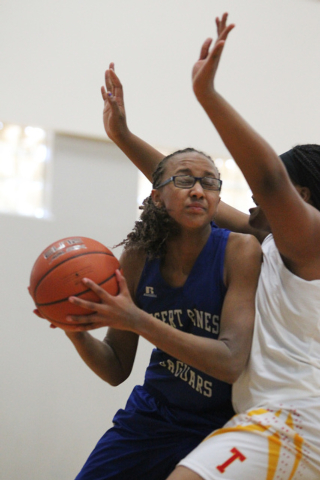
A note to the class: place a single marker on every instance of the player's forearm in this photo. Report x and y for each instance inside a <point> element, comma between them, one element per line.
<point>231,218</point>
<point>141,154</point>
<point>207,355</point>
<point>236,221</point>
<point>98,356</point>
<point>255,157</point>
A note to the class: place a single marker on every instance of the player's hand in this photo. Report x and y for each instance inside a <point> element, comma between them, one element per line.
<point>114,311</point>
<point>39,314</point>
<point>114,115</point>
<point>69,327</point>
<point>204,70</point>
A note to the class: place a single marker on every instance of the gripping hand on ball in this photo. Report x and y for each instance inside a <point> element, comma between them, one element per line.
<point>39,314</point>
<point>118,312</point>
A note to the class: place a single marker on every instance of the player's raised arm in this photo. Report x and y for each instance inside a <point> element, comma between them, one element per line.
<point>143,155</point>
<point>294,222</point>
<point>238,221</point>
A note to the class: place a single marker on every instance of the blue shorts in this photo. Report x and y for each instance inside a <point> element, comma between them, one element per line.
<point>147,440</point>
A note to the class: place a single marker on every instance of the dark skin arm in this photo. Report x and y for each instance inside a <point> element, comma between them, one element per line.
<point>143,155</point>
<point>294,222</point>
<point>111,359</point>
<point>237,221</point>
<point>223,358</point>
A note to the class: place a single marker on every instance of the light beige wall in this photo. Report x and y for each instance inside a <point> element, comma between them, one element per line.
<point>53,409</point>
<point>54,53</point>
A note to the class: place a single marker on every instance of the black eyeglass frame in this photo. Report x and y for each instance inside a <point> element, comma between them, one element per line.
<point>195,179</point>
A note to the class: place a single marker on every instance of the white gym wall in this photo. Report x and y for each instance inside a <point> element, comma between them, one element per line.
<point>53,55</point>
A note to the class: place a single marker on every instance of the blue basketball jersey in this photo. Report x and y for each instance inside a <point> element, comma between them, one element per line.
<point>194,308</point>
<point>178,406</point>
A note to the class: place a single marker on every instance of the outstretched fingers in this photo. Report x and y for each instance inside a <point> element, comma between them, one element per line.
<point>225,32</point>
<point>114,77</point>
<point>108,81</point>
<point>204,70</point>
<point>221,24</point>
<point>112,81</point>
<point>216,51</point>
<point>113,85</point>
<point>205,49</point>
<point>223,29</point>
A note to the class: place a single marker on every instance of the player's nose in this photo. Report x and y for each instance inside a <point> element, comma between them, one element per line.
<point>197,190</point>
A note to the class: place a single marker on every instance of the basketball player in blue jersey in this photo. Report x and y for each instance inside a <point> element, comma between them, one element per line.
<point>193,286</point>
<point>275,436</point>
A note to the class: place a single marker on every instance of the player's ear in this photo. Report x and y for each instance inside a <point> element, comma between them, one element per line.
<point>156,198</point>
<point>304,192</point>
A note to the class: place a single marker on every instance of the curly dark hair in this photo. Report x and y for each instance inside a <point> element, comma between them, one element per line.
<point>155,226</point>
<point>303,165</point>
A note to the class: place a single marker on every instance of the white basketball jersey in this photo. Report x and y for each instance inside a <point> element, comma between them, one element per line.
<point>284,367</point>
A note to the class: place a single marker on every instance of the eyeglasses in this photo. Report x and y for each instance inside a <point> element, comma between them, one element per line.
<point>188,181</point>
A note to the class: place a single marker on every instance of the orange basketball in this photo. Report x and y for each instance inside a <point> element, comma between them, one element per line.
<point>58,272</point>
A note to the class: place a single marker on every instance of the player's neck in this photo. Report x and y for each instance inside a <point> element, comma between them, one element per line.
<point>182,252</point>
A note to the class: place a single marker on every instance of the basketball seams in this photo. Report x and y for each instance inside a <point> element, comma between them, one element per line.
<point>73,295</point>
<point>54,279</point>
<point>65,261</point>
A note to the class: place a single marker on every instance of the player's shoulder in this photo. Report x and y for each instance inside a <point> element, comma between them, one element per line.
<point>133,258</point>
<point>243,259</point>
<point>242,247</point>
<point>132,261</point>
<point>244,240</point>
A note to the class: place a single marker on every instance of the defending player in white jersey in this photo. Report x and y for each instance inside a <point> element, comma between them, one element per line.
<point>276,434</point>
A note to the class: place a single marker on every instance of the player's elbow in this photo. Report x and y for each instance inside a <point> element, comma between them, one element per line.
<point>234,366</point>
<point>114,377</point>
<point>241,363</point>
<point>232,374</point>
<point>229,372</point>
<point>115,381</point>
<point>117,378</point>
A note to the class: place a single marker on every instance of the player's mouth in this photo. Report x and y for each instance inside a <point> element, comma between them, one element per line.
<point>196,207</point>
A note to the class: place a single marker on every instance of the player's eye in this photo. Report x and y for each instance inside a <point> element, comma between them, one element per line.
<point>184,181</point>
